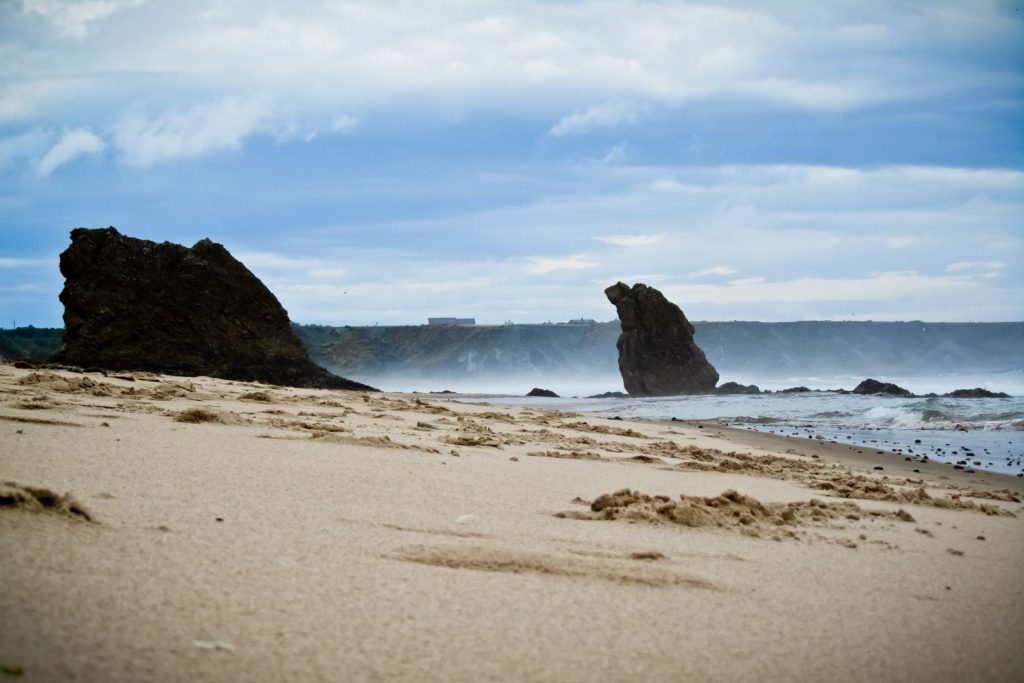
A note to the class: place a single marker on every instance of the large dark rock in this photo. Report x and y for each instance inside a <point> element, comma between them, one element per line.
<point>873,387</point>
<point>542,393</point>
<point>132,304</point>
<point>657,354</point>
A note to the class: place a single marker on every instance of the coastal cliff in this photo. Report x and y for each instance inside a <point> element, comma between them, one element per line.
<point>823,348</point>
<point>809,348</point>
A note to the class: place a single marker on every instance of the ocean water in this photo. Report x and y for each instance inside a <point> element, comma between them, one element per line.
<point>983,434</point>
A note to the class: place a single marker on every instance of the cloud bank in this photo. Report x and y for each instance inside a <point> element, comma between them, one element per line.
<point>508,159</point>
<point>197,66</point>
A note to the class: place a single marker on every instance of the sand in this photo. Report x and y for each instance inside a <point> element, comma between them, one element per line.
<point>234,531</point>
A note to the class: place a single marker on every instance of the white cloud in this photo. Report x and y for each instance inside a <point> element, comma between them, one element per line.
<point>24,262</point>
<point>747,281</point>
<point>880,287</point>
<point>962,266</point>
<point>21,99</point>
<point>281,267</point>
<point>616,155</point>
<point>607,115</point>
<point>634,277</point>
<point>344,124</point>
<point>714,270</point>
<point>73,17</point>
<point>543,266</point>
<point>631,240</point>
<point>833,94</point>
<point>900,242</point>
<point>275,261</point>
<point>25,145</point>
<point>666,185</point>
<point>73,144</point>
<point>192,133</point>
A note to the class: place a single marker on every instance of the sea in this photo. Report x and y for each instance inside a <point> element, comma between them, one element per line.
<point>980,433</point>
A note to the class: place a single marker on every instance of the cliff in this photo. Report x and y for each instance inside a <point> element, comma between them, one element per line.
<point>858,349</point>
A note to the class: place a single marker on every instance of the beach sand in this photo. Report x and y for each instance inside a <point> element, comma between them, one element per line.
<point>158,528</point>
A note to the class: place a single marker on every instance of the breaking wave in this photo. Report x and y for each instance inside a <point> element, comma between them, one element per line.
<point>755,420</point>
<point>927,415</point>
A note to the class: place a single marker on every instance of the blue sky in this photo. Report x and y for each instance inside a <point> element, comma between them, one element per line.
<point>381,162</point>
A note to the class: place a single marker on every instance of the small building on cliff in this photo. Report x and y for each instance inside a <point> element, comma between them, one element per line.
<point>459,322</point>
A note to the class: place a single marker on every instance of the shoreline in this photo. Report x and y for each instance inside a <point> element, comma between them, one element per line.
<point>867,423</point>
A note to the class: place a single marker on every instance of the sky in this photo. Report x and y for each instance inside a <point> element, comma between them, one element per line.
<point>379,162</point>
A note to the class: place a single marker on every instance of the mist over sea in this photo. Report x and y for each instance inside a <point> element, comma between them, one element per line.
<point>978,433</point>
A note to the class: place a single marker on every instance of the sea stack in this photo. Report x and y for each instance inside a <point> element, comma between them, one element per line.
<point>657,354</point>
<point>132,304</point>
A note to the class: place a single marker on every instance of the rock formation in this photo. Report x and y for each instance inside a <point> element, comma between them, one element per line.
<point>976,392</point>
<point>132,304</point>
<point>657,354</point>
<point>873,387</point>
<point>733,388</point>
<point>542,393</point>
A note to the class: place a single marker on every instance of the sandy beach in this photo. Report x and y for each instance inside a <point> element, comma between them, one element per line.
<point>225,531</point>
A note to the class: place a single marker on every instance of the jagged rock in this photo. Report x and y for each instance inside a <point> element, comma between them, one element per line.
<point>795,390</point>
<point>610,394</point>
<point>657,354</point>
<point>543,393</point>
<point>132,304</point>
<point>874,387</point>
<point>730,388</point>
<point>976,392</point>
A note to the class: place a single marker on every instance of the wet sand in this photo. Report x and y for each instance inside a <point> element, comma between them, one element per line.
<point>243,532</point>
<point>862,457</point>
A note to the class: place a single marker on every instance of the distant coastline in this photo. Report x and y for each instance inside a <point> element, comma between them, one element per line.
<point>583,354</point>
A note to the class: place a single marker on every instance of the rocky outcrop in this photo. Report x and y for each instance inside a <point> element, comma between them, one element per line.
<point>733,388</point>
<point>976,392</point>
<point>132,304</point>
<point>657,354</point>
<point>542,393</point>
<point>873,387</point>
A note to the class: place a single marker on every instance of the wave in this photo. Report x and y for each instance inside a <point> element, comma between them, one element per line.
<point>755,420</point>
<point>927,417</point>
<point>831,414</point>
